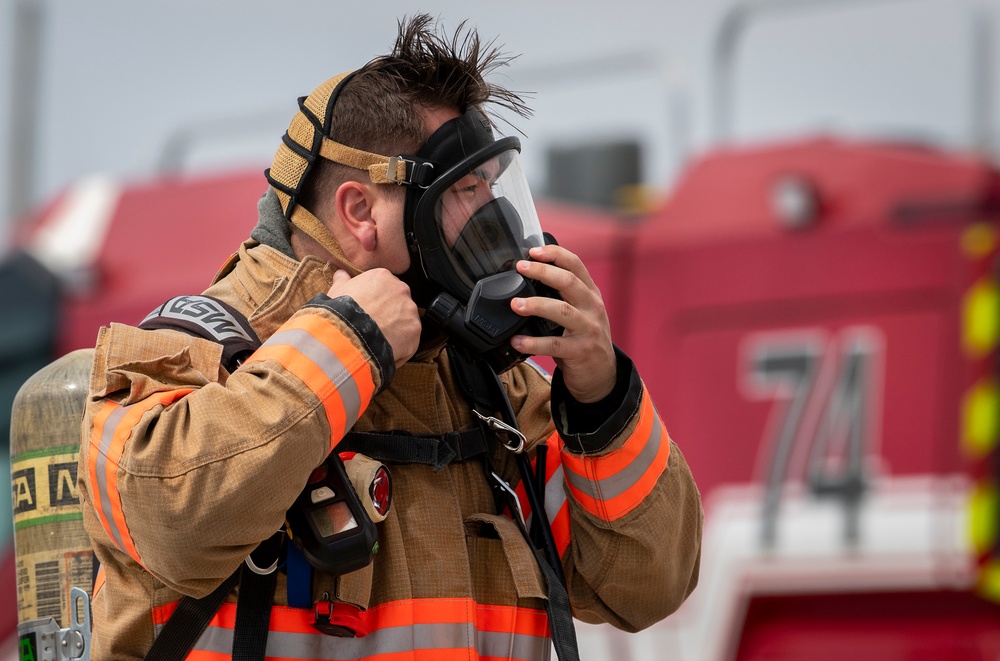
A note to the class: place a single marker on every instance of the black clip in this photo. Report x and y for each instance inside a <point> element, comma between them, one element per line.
<point>322,623</point>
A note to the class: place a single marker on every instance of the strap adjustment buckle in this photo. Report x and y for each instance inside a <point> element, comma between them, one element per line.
<point>417,173</point>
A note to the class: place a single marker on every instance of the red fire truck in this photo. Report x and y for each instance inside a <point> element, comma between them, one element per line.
<point>821,341</point>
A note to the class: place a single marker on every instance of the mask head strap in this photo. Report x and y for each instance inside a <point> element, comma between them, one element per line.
<point>307,140</point>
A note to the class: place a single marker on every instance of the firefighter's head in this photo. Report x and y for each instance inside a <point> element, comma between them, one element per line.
<point>375,168</point>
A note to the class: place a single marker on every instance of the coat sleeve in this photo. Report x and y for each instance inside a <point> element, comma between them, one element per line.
<point>625,512</point>
<point>186,468</point>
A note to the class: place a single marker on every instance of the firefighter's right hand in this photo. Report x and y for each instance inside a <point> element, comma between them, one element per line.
<point>387,301</point>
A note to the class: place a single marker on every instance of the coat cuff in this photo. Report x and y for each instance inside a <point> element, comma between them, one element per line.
<point>368,332</point>
<point>591,428</point>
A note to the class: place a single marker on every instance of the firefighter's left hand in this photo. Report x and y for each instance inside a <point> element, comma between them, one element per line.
<point>584,352</point>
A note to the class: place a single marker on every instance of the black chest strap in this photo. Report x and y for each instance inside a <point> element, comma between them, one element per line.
<point>400,447</point>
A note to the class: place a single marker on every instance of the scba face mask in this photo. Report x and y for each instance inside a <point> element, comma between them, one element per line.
<point>468,225</point>
<point>469,217</point>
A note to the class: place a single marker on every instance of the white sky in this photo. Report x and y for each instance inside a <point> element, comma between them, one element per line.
<point>119,78</point>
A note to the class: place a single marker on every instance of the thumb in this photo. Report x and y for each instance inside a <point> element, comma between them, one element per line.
<point>340,276</point>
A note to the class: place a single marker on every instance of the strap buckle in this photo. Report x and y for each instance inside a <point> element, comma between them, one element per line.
<point>416,172</point>
<point>261,570</point>
<point>329,621</point>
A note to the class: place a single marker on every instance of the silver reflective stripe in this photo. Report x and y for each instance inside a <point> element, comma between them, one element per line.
<point>513,646</point>
<point>623,480</point>
<point>390,640</point>
<point>555,494</point>
<point>330,365</point>
<point>101,463</point>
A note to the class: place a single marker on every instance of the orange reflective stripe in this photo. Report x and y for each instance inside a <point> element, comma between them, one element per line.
<point>315,380</point>
<point>560,529</point>
<point>610,486</point>
<point>349,355</point>
<point>612,462</point>
<point>162,613</point>
<point>113,427</point>
<point>100,420</point>
<point>433,654</point>
<point>314,350</point>
<point>403,613</point>
<point>413,629</point>
<point>552,459</point>
<point>99,580</point>
<point>556,507</point>
<point>525,621</point>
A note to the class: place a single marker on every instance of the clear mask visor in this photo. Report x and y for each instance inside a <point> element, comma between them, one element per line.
<point>487,219</point>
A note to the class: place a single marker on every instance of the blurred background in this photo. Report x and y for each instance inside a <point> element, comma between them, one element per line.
<point>790,207</point>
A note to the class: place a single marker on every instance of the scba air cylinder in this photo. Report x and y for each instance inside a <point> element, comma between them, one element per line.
<point>52,549</point>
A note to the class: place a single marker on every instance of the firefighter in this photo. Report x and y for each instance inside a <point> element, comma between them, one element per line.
<point>392,213</point>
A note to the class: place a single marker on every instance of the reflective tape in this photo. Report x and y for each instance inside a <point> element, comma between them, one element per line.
<point>410,629</point>
<point>989,580</point>
<point>610,486</point>
<point>982,318</point>
<point>981,418</point>
<point>983,510</point>
<point>981,402</point>
<point>979,240</point>
<point>317,353</point>
<point>556,502</point>
<point>113,427</point>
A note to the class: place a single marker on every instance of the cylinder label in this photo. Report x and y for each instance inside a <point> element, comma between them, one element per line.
<point>44,580</point>
<point>44,487</point>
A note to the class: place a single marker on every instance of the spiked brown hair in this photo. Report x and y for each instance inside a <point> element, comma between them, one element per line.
<point>380,109</point>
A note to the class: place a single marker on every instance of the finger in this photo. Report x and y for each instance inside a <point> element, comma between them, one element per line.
<point>559,311</point>
<point>562,347</point>
<point>572,289</point>
<point>565,259</point>
<point>533,346</point>
<point>340,275</point>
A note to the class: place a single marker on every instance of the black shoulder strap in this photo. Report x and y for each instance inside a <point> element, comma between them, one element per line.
<point>211,319</point>
<point>484,390</point>
<point>191,617</point>
<point>188,621</point>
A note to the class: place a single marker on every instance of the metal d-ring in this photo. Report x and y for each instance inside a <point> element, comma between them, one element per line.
<point>258,570</point>
<point>263,571</point>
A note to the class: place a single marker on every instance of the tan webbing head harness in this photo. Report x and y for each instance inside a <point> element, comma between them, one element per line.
<point>305,141</point>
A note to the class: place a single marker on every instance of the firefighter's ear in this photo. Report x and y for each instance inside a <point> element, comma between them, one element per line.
<point>356,203</point>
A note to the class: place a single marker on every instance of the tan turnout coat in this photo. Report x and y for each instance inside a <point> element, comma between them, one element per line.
<point>185,468</point>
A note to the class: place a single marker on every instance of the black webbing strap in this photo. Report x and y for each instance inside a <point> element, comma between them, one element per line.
<point>557,607</point>
<point>253,608</point>
<point>405,448</point>
<point>484,390</point>
<point>188,622</point>
<point>253,611</point>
